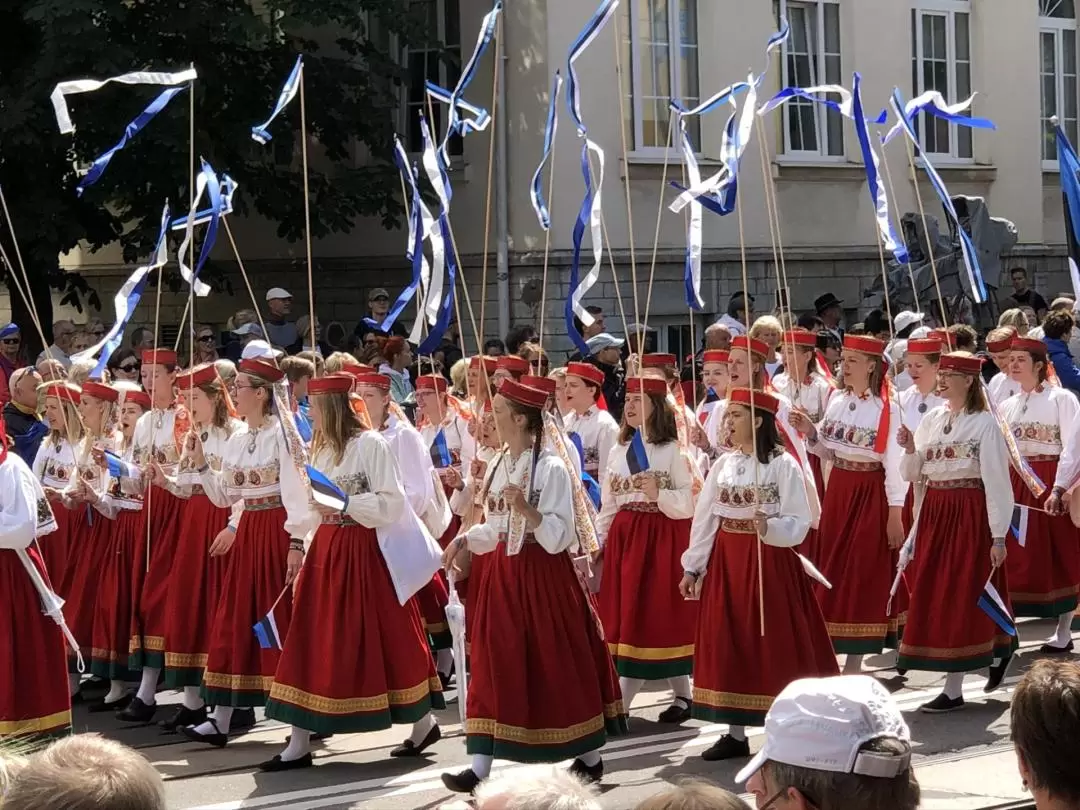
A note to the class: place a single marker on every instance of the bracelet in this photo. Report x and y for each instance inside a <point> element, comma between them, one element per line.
<point>296,545</point>
<point>692,574</point>
<point>999,542</point>
<point>1059,491</point>
<point>231,528</point>
<point>203,468</point>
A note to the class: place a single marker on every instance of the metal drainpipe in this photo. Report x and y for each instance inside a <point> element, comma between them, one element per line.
<point>502,203</point>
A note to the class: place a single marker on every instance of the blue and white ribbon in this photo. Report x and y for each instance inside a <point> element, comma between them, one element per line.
<point>967,249</point>
<point>933,102</point>
<point>437,177</point>
<point>260,133</point>
<point>551,128</point>
<point>591,209</point>
<point>206,183</point>
<point>228,189</point>
<point>1069,165</point>
<point>692,272</point>
<point>126,300</point>
<point>64,89</point>
<point>97,168</point>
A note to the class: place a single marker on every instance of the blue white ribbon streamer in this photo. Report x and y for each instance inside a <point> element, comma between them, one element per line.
<point>437,177</point>
<point>692,273</point>
<point>591,207</point>
<point>64,89</point>
<point>260,133</point>
<point>551,128</point>
<point>126,300</point>
<point>1069,165</point>
<point>967,249</point>
<point>228,188</point>
<point>97,168</point>
<point>206,183</point>
<point>934,103</point>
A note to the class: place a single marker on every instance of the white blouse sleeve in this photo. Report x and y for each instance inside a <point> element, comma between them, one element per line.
<point>461,500</point>
<point>384,502</point>
<point>678,502</point>
<point>896,488</point>
<point>556,506</point>
<point>1068,410</point>
<point>295,492</point>
<point>40,458</point>
<point>18,506</point>
<point>703,530</point>
<point>789,528</point>
<point>911,463</point>
<point>215,483</point>
<point>606,439</point>
<point>608,509</point>
<point>994,471</point>
<point>415,463</point>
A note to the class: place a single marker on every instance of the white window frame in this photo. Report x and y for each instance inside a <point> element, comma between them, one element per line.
<point>1056,26</point>
<point>821,154</point>
<point>675,46</point>
<point>947,9</point>
<point>405,108</point>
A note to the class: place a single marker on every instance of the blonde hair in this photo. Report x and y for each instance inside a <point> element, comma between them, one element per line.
<point>1000,333</point>
<point>537,787</point>
<point>80,371</point>
<point>693,796</point>
<point>763,323</point>
<point>459,376</point>
<point>72,429</point>
<point>296,368</point>
<point>86,772</point>
<point>226,369</point>
<point>1017,319</point>
<point>338,425</point>
<point>337,361</point>
<point>975,401</point>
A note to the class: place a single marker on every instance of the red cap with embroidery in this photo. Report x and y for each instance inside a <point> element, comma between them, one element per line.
<point>101,391</point>
<point>138,397</point>
<point>61,389</point>
<point>1023,344</point>
<point>755,347</point>
<point>374,380</point>
<point>356,369</point>
<point>658,360</point>
<point>513,364</point>
<point>585,371</point>
<point>202,375</point>
<point>715,356</point>
<point>261,369</point>
<point>523,394</point>
<point>543,383</point>
<point>925,346</point>
<point>158,357</point>
<point>760,399</point>
<point>864,344</point>
<point>962,363</point>
<point>800,337</point>
<point>431,382</point>
<point>489,363</point>
<point>331,384</point>
<point>653,386</point>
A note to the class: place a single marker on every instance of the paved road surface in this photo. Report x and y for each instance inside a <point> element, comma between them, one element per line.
<point>964,759</point>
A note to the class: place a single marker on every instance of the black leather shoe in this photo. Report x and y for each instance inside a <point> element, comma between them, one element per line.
<point>217,739</point>
<point>411,749</point>
<point>727,747</point>
<point>586,774</point>
<point>1050,649</point>
<point>463,782</point>
<point>242,719</point>
<point>101,706</point>
<point>137,712</point>
<point>997,674</point>
<point>183,716</point>
<point>278,764</point>
<point>942,705</point>
<point>445,679</point>
<point>677,712</point>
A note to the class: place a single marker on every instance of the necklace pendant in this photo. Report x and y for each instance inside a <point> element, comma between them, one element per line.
<point>851,406</point>
<point>204,435</point>
<point>948,429</point>
<point>1023,409</point>
<point>740,469</point>
<point>252,442</point>
<point>922,407</point>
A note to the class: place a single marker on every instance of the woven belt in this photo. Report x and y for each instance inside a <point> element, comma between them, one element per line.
<point>956,483</point>
<point>529,537</point>
<point>639,506</point>
<point>1042,458</point>
<point>856,466</point>
<point>197,489</point>
<point>262,504</point>
<point>338,520</point>
<point>735,526</point>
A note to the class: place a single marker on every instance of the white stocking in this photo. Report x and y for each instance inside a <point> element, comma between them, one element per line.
<point>222,716</point>
<point>421,728</point>
<point>954,685</point>
<point>1063,635</point>
<point>481,765</point>
<point>116,691</point>
<point>738,732</point>
<point>444,661</point>
<point>853,665</point>
<point>629,688</point>
<point>148,686</point>
<point>192,699</point>
<point>299,745</point>
<point>681,687</point>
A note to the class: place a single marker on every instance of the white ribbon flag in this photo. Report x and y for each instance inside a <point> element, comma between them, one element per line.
<point>65,89</point>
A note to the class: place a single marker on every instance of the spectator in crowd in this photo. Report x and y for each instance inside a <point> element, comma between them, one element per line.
<point>450,347</point>
<point>494,348</point>
<point>737,314</point>
<point>398,356</point>
<point>1016,319</point>
<point>80,341</point>
<point>605,352</point>
<point>303,344</point>
<point>86,772</point>
<point>280,331</point>
<point>536,356</point>
<point>205,344</point>
<point>810,322</point>
<point>10,343</point>
<point>51,369</point>
<point>1045,717</point>
<point>877,325</point>
<point>378,308</point>
<point>259,349</point>
<point>964,338</point>
<point>768,330</point>
<point>80,370</point>
<point>1057,328</point>
<point>831,311</point>
<point>536,787</point>
<point>124,365</point>
<point>717,336</point>
<point>458,378</point>
<point>594,328</point>
<point>24,425</point>
<point>835,743</point>
<point>1067,304</point>
<point>142,339</point>
<point>226,369</point>
<point>63,334</point>
<point>693,796</point>
<point>95,327</point>
<point>829,345</point>
<point>243,335</point>
<point>1024,296</point>
<point>640,339</point>
<point>316,361</point>
<point>517,336</point>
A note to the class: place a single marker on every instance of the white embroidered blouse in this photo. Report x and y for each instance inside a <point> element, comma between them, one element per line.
<point>1001,387</point>
<point>736,488</point>
<point>599,432</point>
<point>54,462</point>
<point>414,460</point>
<point>369,475</point>
<point>811,396</point>
<point>915,406</point>
<point>155,440</point>
<point>1044,422</point>
<point>972,448</point>
<point>461,445</point>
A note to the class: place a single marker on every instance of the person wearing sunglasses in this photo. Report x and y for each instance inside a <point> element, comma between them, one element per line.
<point>124,365</point>
<point>10,343</point>
<point>205,345</point>
<point>60,350</point>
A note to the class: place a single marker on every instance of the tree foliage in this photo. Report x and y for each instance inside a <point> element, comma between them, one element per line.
<point>243,50</point>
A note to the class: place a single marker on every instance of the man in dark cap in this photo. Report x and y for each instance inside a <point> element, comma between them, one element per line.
<point>829,308</point>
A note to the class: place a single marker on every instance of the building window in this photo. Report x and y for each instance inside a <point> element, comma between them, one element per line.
<point>1058,92</point>
<point>812,57</point>
<point>941,60</point>
<point>435,56</point>
<point>660,62</point>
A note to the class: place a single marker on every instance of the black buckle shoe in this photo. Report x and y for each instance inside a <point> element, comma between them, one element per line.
<point>1050,649</point>
<point>727,747</point>
<point>217,739</point>
<point>242,719</point>
<point>942,705</point>
<point>588,775</point>
<point>137,712</point>
<point>411,749</point>
<point>462,782</point>
<point>101,706</point>
<point>183,716</point>
<point>677,712</point>
<point>278,764</point>
<point>997,674</point>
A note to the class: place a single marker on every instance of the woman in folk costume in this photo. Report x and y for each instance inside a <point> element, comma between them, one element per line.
<point>444,416</point>
<point>262,466</point>
<point>480,379</point>
<point>53,464</point>
<point>195,588</point>
<point>509,367</point>
<point>558,375</point>
<point>861,527</point>
<point>750,517</point>
<point>714,378</point>
<point>596,430</point>
<point>158,438</point>
<point>667,366</point>
<point>999,345</point>
<point>959,454</point>
<point>86,490</point>
<point>542,687</point>
<point>643,530</point>
<point>372,665</point>
<point>418,476</point>
<point>123,502</point>
<point>34,701</point>
<point>1044,419</point>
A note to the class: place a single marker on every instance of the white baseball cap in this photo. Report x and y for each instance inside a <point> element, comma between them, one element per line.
<point>260,350</point>
<point>277,292</point>
<point>905,319</point>
<point>821,723</point>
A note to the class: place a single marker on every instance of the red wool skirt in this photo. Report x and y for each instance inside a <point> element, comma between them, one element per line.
<point>856,559</point>
<point>194,592</point>
<point>374,668</point>
<point>112,619</point>
<point>82,579</point>
<point>57,547</point>
<point>1043,575</point>
<point>946,630</point>
<point>238,671</point>
<point>164,512</point>
<point>34,701</point>
<point>908,518</point>
<point>542,686</point>
<point>648,626</point>
<point>431,601</point>
<point>737,671</point>
<point>811,547</point>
